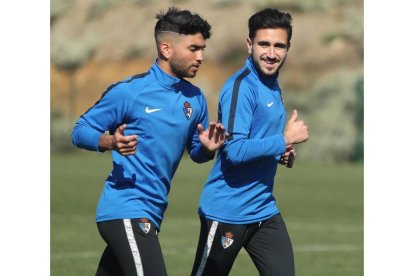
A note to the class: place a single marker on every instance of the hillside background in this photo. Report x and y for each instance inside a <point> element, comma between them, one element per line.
<point>97,42</point>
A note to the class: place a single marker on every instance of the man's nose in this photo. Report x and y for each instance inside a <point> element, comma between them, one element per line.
<point>199,56</point>
<point>271,53</point>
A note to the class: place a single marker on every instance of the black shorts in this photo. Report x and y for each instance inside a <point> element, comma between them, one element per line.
<point>267,243</point>
<point>132,249</point>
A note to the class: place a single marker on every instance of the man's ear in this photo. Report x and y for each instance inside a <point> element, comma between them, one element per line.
<point>288,46</point>
<point>165,49</point>
<point>249,44</point>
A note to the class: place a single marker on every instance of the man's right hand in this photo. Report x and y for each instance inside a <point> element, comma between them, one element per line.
<point>124,145</point>
<point>296,131</point>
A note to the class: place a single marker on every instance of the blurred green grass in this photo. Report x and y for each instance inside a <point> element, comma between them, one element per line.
<point>321,204</point>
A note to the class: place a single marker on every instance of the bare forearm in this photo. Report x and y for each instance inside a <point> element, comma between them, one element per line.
<point>106,142</point>
<point>124,145</point>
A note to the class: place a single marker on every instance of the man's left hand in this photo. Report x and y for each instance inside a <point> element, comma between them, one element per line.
<point>212,138</point>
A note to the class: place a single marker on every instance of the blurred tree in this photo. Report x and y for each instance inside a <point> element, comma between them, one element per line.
<point>69,54</point>
<point>359,120</point>
<point>329,109</point>
<point>58,8</point>
<point>99,7</point>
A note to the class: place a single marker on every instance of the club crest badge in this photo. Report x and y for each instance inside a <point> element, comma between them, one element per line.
<point>187,110</point>
<point>145,225</point>
<point>227,241</point>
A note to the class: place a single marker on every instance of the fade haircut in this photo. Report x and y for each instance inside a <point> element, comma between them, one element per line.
<point>182,22</point>
<point>270,19</point>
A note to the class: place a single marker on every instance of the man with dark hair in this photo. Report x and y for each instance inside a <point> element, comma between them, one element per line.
<point>151,119</point>
<point>237,207</point>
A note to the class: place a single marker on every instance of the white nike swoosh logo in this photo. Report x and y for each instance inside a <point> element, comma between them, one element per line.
<point>269,104</point>
<point>148,110</point>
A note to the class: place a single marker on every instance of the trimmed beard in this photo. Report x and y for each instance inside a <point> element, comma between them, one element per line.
<point>264,73</point>
<point>180,69</point>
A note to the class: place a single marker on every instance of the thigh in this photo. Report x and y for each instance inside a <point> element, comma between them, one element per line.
<point>109,265</point>
<point>218,246</point>
<point>135,244</point>
<point>271,249</point>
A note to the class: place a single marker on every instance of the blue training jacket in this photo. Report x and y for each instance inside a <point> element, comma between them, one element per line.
<point>239,187</point>
<point>164,112</point>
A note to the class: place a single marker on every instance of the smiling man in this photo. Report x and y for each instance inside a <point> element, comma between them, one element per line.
<point>151,119</point>
<point>237,206</point>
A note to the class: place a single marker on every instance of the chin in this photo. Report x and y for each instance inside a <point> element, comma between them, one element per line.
<point>191,74</point>
<point>269,73</point>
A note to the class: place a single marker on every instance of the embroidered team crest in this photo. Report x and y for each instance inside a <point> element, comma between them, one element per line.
<point>187,110</point>
<point>144,225</point>
<point>227,241</point>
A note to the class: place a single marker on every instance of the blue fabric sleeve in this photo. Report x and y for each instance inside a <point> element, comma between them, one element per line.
<point>194,146</point>
<point>240,148</point>
<point>85,136</point>
<point>106,115</point>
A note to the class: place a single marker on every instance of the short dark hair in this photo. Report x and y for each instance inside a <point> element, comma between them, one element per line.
<point>270,19</point>
<point>182,22</point>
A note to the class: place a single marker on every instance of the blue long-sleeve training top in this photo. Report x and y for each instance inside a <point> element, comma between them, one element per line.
<point>239,187</point>
<point>163,112</point>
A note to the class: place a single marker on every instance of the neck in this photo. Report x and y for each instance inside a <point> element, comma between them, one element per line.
<point>165,66</point>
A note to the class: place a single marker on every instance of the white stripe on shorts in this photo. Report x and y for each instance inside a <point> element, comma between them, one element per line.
<point>207,248</point>
<point>134,247</point>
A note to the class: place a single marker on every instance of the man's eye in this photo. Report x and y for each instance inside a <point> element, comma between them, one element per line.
<point>195,49</point>
<point>280,46</point>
